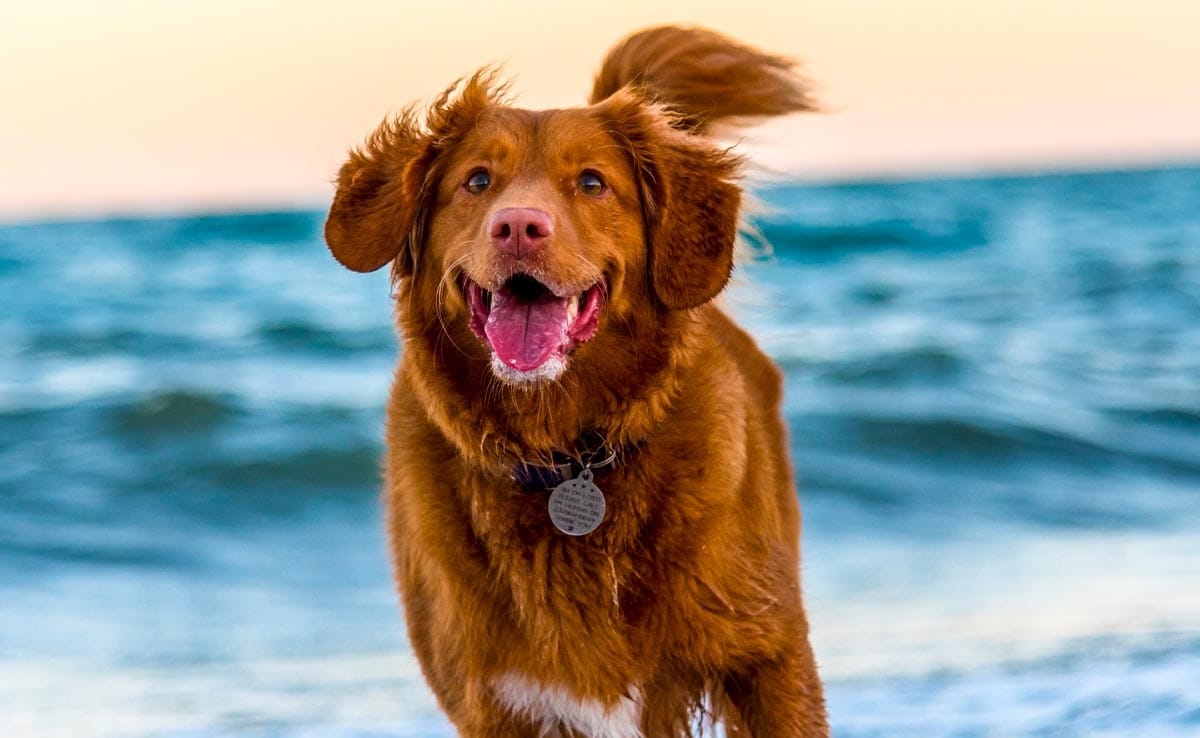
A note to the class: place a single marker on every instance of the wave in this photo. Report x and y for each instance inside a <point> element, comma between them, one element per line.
<point>269,228</point>
<point>908,467</point>
<point>1170,418</point>
<point>914,365</point>
<point>808,241</point>
<point>337,470</point>
<point>298,335</point>
<point>112,340</point>
<point>173,411</point>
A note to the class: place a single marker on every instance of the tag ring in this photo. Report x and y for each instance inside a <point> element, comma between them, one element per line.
<point>612,456</point>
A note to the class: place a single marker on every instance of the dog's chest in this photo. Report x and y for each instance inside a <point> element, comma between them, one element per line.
<point>553,708</point>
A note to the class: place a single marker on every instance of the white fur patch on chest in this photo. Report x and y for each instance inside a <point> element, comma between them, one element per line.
<point>551,707</point>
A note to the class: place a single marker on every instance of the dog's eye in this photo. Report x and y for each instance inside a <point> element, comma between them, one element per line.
<point>478,181</point>
<point>591,184</point>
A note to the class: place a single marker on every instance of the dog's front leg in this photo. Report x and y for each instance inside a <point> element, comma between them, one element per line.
<point>780,698</point>
<point>494,721</point>
<point>508,729</point>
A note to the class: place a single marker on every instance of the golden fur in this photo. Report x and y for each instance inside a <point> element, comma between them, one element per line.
<point>685,602</point>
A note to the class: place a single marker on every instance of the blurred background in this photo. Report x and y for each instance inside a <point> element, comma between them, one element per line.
<point>984,291</point>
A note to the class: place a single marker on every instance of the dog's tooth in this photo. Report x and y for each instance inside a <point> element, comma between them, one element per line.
<point>572,308</point>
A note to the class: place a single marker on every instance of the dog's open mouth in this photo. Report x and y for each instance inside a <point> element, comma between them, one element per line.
<point>528,326</point>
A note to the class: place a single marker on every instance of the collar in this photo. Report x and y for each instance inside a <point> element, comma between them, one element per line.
<point>596,455</point>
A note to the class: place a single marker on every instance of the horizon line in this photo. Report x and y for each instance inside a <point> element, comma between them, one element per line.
<point>757,177</point>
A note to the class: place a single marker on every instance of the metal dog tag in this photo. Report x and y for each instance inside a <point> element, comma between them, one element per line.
<point>577,505</point>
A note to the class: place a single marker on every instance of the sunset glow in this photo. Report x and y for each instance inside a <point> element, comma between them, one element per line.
<point>132,106</point>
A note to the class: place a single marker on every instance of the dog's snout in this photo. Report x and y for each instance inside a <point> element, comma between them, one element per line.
<point>520,231</point>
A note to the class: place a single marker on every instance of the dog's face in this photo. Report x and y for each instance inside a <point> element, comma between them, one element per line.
<point>533,237</point>
<point>538,220</point>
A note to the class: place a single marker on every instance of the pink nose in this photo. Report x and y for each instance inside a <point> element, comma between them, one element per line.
<point>520,231</point>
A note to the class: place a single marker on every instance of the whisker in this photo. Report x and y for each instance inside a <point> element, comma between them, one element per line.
<point>440,300</point>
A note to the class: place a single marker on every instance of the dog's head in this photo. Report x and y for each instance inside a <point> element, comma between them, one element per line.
<point>532,228</point>
<point>531,238</point>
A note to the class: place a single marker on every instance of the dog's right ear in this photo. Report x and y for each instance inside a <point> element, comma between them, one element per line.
<point>378,199</point>
<point>385,190</point>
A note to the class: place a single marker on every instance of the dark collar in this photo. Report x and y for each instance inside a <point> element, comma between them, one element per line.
<point>592,453</point>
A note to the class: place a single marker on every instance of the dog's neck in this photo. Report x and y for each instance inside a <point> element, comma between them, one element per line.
<point>497,427</point>
<point>590,451</point>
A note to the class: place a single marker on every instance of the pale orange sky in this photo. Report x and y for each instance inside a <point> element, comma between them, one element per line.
<point>127,106</point>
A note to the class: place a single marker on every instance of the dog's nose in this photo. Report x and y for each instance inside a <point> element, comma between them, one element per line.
<point>520,231</point>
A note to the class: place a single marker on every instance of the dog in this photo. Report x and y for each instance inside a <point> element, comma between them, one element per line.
<point>591,508</point>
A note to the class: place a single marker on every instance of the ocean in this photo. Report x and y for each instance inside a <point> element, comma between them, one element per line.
<point>993,393</point>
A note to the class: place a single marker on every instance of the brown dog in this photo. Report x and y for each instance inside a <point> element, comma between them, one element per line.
<point>592,510</point>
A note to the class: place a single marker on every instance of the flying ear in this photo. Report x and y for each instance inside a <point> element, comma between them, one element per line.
<point>379,209</point>
<point>664,88</point>
<point>703,77</point>
<point>378,199</point>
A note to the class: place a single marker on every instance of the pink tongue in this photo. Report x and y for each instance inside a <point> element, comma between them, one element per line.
<point>524,333</point>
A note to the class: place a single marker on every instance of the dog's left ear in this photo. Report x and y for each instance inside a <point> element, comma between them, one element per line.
<point>693,231</point>
<point>690,200</point>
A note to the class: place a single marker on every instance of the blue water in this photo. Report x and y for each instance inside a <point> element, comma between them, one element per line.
<point>993,387</point>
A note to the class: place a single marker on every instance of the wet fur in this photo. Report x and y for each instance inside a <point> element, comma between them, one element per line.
<point>687,597</point>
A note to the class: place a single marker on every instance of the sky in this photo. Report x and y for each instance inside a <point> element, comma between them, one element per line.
<point>127,106</point>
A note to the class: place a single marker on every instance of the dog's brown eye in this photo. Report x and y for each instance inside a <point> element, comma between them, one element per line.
<point>478,181</point>
<point>591,184</point>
